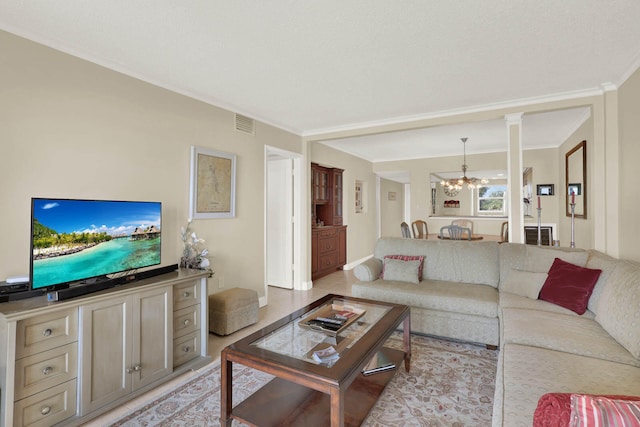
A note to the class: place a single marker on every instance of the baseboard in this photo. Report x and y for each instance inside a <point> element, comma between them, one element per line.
<point>353,265</point>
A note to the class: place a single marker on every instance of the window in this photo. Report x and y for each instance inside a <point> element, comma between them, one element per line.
<point>491,199</point>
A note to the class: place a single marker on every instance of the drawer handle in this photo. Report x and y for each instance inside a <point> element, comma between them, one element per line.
<point>186,349</point>
<point>45,410</point>
<point>47,332</point>
<point>186,294</point>
<point>186,322</point>
<point>47,370</point>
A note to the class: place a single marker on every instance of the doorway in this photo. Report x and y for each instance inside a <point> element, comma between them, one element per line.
<point>282,233</point>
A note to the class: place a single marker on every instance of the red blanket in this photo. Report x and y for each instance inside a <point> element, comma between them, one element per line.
<point>554,409</point>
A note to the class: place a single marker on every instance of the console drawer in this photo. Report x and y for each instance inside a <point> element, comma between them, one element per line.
<point>46,408</point>
<point>328,261</point>
<point>46,369</point>
<point>186,320</point>
<point>327,245</point>
<point>46,331</point>
<point>324,234</point>
<point>185,348</point>
<point>186,294</point>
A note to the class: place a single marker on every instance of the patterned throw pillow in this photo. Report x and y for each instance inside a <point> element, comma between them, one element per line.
<point>402,271</point>
<point>404,258</point>
<point>587,411</point>
<point>569,285</point>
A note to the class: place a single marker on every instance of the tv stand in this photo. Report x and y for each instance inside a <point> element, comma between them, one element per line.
<point>142,334</point>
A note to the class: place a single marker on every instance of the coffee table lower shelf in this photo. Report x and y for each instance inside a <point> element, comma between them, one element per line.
<point>282,402</point>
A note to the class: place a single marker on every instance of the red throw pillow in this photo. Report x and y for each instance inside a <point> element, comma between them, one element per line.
<point>569,285</point>
<point>406,258</point>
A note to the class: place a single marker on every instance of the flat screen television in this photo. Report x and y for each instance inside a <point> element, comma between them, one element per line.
<point>85,241</point>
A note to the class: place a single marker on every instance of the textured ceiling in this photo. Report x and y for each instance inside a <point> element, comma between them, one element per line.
<point>314,66</point>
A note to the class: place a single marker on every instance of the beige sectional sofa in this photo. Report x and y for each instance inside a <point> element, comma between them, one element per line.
<point>486,292</point>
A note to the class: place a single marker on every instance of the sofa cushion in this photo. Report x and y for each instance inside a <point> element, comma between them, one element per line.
<point>480,300</point>
<point>509,300</point>
<point>524,283</point>
<point>562,332</point>
<point>404,258</point>
<point>569,285</point>
<point>540,259</point>
<point>530,372</point>
<point>453,261</point>
<point>607,264</point>
<point>401,270</point>
<point>618,311</point>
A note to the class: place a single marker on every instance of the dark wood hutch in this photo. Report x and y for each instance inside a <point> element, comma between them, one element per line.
<point>328,235</point>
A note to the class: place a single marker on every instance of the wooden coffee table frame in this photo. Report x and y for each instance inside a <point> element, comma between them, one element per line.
<point>304,393</point>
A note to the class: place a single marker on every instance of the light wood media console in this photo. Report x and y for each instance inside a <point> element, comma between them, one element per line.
<point>67,362</point>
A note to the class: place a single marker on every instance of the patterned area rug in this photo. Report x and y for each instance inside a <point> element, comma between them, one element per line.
<point>450,384</point>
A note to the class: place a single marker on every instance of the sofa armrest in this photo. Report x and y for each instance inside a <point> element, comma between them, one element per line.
<point>369,270</point>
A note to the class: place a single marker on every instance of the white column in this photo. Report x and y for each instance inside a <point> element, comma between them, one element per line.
<point>603,173</point>
<point>514,176</point>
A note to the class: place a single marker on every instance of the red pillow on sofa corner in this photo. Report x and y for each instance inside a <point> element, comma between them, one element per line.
<point>569,285</point>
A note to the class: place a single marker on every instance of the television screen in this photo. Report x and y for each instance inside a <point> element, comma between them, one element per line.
<point>76,240</point>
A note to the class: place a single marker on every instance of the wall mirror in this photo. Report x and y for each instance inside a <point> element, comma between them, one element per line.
<point>576,180</point>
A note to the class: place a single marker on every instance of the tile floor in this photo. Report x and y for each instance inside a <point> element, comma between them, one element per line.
<point>281,302</point>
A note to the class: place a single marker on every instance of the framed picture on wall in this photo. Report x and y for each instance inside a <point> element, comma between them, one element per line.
<point>213,184</point>
<point>544,189</point>
<point>574,189</point>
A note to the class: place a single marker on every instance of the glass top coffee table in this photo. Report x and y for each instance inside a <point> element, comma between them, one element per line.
<point>317,392</point>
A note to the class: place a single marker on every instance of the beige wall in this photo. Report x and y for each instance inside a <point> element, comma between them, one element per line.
<point>391,211</point>
<point>629,132</point>
<point>361,230</point>
<point>72,129</point>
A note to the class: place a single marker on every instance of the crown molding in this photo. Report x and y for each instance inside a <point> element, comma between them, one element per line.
<point>406,120</point>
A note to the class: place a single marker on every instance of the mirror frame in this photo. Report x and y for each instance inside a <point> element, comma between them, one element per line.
<point>582,145</point>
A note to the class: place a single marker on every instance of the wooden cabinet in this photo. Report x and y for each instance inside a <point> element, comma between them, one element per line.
<point>127,344</point>
<point>328,250</point>
<point>70,361</point>
<point>326,187</point>
<point>328,235</point>
<point>46,368</point>
<point>337,196</point>
<point>320,184</point>
<point>187,326</point>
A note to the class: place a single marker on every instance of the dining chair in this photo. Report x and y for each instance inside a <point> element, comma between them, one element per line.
<point>455,232</point>
<point>420,229</point>
<point>463,223</point>
<point>504,232</point>
<point>406,232</point>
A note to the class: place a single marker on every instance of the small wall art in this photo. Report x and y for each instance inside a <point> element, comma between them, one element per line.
<point>544,190</point>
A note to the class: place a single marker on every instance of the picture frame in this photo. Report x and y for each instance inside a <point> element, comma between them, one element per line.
<point>212,192</point>
<point>391,195</point>
<point>544,190</point>
<point>577,188</point>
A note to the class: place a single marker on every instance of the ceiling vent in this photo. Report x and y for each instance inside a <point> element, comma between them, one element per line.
<point>245,124</point>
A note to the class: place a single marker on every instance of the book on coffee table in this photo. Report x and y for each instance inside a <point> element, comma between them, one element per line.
<point>378,363</point>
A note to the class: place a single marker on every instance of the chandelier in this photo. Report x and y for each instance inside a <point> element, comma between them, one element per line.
<point>453,186</point>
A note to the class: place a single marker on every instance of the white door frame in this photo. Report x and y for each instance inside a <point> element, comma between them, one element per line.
<point>297,205</point>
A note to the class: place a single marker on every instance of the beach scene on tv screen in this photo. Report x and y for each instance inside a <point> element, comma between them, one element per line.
<point>80,239</point>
